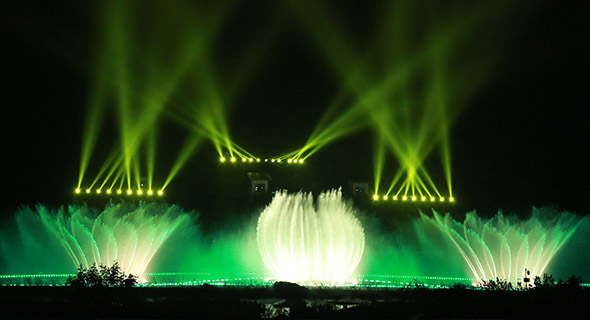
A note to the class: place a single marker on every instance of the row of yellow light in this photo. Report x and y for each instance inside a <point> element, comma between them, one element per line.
<point>413,198</point>
<point>233,159</point>
<point>129,191</point>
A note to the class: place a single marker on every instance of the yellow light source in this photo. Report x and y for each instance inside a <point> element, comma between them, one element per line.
<point>279,160</point>
<point>87,190</point>
<point>139,192</point>
<point>119,191</point>
<point>160,192</point>
<point>150,192</point>
<point>251,160</point>
<point>395,198</point>
<point>384,197</point>
<point>265,160</point>
<point>414,198</point>
<point>273,160</point>
<point>431,198</point>
<point>109,191</point>
<point>129,191</point>
<point>257,160</point>
<point>404,198</point>
<point>98,191</point>
<point>423,198</point>
<point>233,159</point>
<point>375,197</point>
<point>78,190</point>
<point>442,199</point>
<point>451,199</point>
<point>301,161</point>
<point>222,159</point>
<point>290,160</point>
<point>243,159</point>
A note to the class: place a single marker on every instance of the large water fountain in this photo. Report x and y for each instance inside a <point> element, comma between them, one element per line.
<point>300,242</point>
<point>294,239</point>
<point>127,233</point>
<point>507,247</point>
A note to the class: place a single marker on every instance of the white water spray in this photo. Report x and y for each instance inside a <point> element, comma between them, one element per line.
<point>300,242</point>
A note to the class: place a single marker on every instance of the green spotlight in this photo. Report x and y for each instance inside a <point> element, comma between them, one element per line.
<point>77,190</point>
<point>119,191</point>
<point>273,160</point>
<point>384,197</point>
<point>257,160</point>
<point>451,199</point>
<point>265,160</point>
<point>109,191</point>
<point>301,161</point>
<point>290,160</point>
<point>414,198</point>
<point>251,160</point>
<point>222,159</point>
<point>160,192</point>
<point>150,192</point>
<point>87,190</point>
<point>129,192</point>
<point>279,160</point>
<point>233,159</point>
<point>442,199</point>
<point>423,198</point>
<point>375,197</point>
<point>404,198</point>
<point>98,191</point>
<point>243,159</point>
<point>431,198</point>
<point>139,192</point>
<point>395,198</point>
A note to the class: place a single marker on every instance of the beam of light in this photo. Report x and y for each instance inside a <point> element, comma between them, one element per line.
<point>117,41</point>
<point>122,179</point>
<point>210,112</point>
<point>117,177</point>
<point>209,115</point>
<point>340,55</point>
<point>136,170</point>
<point>142,93</point>
<point>91,126</point>
<point>113,159</point>
<point>233,149</point>
<point>150,156</point>
<point>186,151</point>
<point>357,88</point>
<point>379,156</point>
<point>112,169</point>
<point>410,141</point>
<point>394,181</point>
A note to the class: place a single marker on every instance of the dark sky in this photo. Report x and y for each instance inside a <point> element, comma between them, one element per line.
<point>522,140</point>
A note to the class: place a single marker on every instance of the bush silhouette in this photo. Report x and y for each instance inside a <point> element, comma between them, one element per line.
<point>101,276</point>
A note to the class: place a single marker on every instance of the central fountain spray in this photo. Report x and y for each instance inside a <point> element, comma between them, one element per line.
<point>302,243</point>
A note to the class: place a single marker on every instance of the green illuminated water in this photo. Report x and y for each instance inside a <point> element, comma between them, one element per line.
<point>64,239</point>
<point>295,239</point>
<point>507,247</point>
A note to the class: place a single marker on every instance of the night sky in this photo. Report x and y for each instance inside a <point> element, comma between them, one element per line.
<point>522,140</point>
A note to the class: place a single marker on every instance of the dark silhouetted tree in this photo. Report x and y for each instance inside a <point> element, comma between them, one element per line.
<point>102,276</point>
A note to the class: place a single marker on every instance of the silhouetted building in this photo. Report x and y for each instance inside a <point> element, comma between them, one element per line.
<point>260,182</point>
